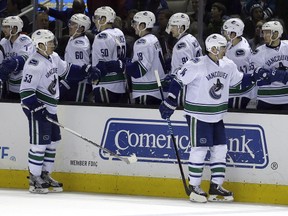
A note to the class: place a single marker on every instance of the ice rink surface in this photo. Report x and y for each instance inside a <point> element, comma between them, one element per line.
<point>21,202</point>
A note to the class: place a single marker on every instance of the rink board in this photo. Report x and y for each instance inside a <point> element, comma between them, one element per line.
<point>256,162</point>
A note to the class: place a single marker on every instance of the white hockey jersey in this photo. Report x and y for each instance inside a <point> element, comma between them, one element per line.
<point>78,51</point>
<point>186,48</point>
<point>110,45</point>
<point>40,78</point>
<point>271,58</point>
<point>148,52</point>
<point>207,87</point>
<point>22,46</point>
<point>240,54</point>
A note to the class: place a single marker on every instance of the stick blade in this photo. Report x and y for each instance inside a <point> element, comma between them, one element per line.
<point>131,159</point>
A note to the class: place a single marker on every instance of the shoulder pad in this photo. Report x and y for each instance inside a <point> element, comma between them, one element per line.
<point>141,41</point>
<point>33,62</point>
<point>240,52</point>
<point>79,42</point>
<point>102,35</point>
<point>181,45</point>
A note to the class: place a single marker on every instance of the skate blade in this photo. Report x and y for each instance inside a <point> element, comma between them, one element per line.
<point>216,198</point>
<point>197,198</point>
<point>32,189</point>
<point>55,189</point>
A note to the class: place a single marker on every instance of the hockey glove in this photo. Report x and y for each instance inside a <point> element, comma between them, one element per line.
<point>167,81</point>
<point>167,107</point>
<point>260,74</point>
<point>39,113</point>
<point>4,73</point>
<point>278,75</point>
<point>111,66</point>
<point>93,74</point>
<point>14,64</point>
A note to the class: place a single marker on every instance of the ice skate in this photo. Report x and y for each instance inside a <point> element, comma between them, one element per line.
<point>218,193</point>
<point>54,185</point>
<point>37,185</point>
<point>197,194</point>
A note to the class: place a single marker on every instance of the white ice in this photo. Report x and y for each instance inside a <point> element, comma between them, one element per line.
<point>21,202</point>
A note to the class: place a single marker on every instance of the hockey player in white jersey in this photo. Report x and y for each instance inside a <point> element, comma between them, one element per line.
<point>39,93</point>
<point>186,47</point>
<point>108,51</point>
<point>239,51</point>
<point>78,51</point>
<point>207,79</point>
<point>14,51</point>
<point>147,57</point>
<point>272,55</point>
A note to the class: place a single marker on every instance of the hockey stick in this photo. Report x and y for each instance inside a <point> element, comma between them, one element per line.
<point>128,160</point>
<point>187,190</point>
<point>1,88</point>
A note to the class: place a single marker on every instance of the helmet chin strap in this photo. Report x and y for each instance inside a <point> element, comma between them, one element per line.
<point>140,31</point>
<point>271,40</point>
<point>180,34</point>
<point>11,34</point>
<point>75,31</point>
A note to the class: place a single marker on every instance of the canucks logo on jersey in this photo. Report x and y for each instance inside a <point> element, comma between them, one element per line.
<point>214,91</point>
<point>52,86</point>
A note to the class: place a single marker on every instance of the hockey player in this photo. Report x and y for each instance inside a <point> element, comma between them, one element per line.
<point>108,50</point>
<point>186,47</point>
<point>272,55</point>
<point>39,93</point>
<point>14,51</point>
<point>147,57</point>
<point>239,51</point>
<point>207,79</point>
<point>78,51</point>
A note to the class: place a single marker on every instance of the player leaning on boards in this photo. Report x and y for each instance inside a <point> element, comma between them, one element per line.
<point>273,55</point>
<point>207,79</point>
<point>14,51</point>
<point>108,48</point>
<point>39,93</point>
<point>186,47</point>
<point>147,57</point>
<point>239,51</point>
<point>78,52</point>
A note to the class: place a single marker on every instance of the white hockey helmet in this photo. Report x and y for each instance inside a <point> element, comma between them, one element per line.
<point>81,20</point>
<point>146,17</point>
<point>234,25</point>
<point>178,19</point>
<point>107,12</point>
<point>215,40</point>
<point>13,21</point>
<point>273,26</point>
<point>43,36</point>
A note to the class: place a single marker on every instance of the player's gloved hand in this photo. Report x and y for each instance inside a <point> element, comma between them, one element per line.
<point>167,107</point>
<point>4,73</point>
<point>278,75</point>
<point>93,74</point>
<point>117,66</point>
<point>167,80</point>
<point>260,74</point>
<point>39,113</point>
<point>11,65</point>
